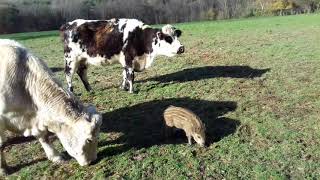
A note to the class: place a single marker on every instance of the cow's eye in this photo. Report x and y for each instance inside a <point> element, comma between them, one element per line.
<point>168,39</point>
<point>89,141</point>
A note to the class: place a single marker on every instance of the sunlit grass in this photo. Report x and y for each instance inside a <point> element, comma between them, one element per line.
<point>254,82</point>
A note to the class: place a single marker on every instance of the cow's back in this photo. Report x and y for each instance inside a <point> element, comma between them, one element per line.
<point>27,89</point>
<point>12,64</point>
<point>86,38</point>
<point>15,101</point>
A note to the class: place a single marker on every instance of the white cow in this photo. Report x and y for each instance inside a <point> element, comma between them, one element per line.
<point>33,102</point>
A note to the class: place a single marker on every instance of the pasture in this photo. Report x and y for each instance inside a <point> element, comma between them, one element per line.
<point>254,82</point>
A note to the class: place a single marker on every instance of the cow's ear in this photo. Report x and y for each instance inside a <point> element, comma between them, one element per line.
<point>178,32</point>
<point>96,120</point>
<point>160,35</point>
<point>91,109</point>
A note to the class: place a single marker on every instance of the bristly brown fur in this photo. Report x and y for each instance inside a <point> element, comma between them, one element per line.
<point>184,115</point>
<point>188,121</point>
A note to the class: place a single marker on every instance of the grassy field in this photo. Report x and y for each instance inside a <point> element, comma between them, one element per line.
<point>254,82</point>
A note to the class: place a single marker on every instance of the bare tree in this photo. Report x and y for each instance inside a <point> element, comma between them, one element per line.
<point>24,15</point>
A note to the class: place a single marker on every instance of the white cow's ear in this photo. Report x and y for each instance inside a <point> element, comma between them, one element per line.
<point>96,119</point>
<point>160,35</point>
<point>91,109</point>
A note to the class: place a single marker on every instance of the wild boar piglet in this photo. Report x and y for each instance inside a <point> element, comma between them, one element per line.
<point>186,120</point>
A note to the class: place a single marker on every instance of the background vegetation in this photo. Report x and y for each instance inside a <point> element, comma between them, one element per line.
<point>254,82</point>
<point>39,15</point>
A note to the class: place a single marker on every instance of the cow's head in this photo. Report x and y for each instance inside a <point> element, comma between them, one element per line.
<point>80,138</point>
<point>167,42</point>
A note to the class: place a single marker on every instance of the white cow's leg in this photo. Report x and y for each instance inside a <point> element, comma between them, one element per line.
<point>51,153</point>
<point>70,69</point>
<point>3,164</point>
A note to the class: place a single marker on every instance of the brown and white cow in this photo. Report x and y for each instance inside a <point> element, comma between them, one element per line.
<point>101,42</point>
<point>33,102</point>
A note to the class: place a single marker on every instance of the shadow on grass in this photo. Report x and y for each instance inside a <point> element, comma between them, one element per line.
<point>27,36</point>
<point>19,140</point>
<point>207,72</point>
<point>142,124</point>
<point>14,169</point>
<point>15,140</point>
<point>56,69</point>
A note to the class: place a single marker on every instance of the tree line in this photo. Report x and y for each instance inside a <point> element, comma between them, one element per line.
<point>39,15</point>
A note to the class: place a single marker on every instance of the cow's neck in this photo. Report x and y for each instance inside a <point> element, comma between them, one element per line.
<point>60,102</point>
<point>150,47</point>
<point>49,96</point>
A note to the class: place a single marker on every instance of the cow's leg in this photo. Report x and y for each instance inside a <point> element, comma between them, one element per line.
<point>130,78</point>
<point>82,72</point>
<point>3,164</point>
<point>124,80</point>
<point>51,153</point>
<point>129,71</point>
<point>122,61</point>
<point>70,69</point>
<point>126,60</point>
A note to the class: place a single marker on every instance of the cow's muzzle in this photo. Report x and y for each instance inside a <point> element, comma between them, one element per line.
<point>180,50</point>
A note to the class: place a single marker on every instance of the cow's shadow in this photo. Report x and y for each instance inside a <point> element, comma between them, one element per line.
<point>23,37</point>
<point>18,167</point>
<point>208,72</point>
<point>14,140</point>
<point>56,69</point>
<point>142,124</point>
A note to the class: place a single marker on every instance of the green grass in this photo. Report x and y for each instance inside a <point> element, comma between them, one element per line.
<point>254,82</point>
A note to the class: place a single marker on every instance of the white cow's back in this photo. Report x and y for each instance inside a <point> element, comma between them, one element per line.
<point>29,93</point>
<point>15,103</point>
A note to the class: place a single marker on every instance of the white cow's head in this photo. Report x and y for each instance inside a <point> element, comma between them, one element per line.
<point>80,138</point>
<point>167,42</point>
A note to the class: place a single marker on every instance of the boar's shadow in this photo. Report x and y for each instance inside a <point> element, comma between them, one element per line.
<point>142,124</point>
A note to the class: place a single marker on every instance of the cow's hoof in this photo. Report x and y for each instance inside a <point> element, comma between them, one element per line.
<point>91,92</point>
<point>125,88</point>
<point>88,89</point>
<point>70,89</point>
<point>57,159</point>
<point>3,172</point>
